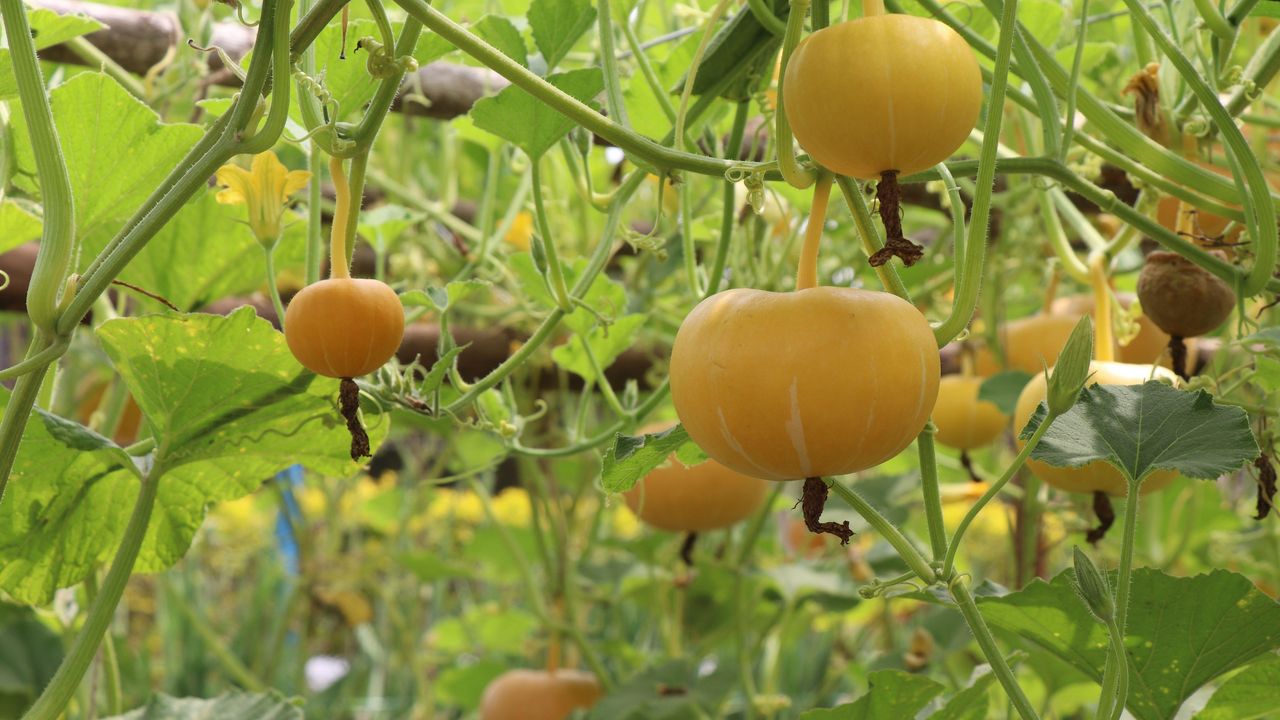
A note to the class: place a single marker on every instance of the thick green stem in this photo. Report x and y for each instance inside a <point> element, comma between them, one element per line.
<point>58,693</point>
<point>790,169</point>
<point>908,552</point>
<point>968,273</point>
<point>973,617</point>
<point>1123,584</point>
<point>1215,20</point>
<point>609,61</point>
<point>57,238</point>
<point>929,488</point>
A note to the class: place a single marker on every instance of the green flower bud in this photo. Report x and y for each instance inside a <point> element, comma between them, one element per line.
<point>1072,370</point>
<point>1093,587</point>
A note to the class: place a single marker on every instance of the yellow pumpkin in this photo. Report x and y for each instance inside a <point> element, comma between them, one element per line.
<point>706,496</point>
<point>1098,475</point>
<point>538,695</point>
<point>963,421</point>
<point>1146,347</point>
<point>881,93</point>
<point>344,327</point>
<point>820,381</point>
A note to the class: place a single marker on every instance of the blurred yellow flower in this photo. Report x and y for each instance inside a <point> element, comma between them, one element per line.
<point>461,506</point>
<point>265,187</point>
<point>624,523</point>
<point>311,501</point>
<point>520,234</point>
<point>511,507</point>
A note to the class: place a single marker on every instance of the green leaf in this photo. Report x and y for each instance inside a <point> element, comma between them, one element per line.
<point>971,703</point>
<point>1043,19</point>
<point>203,254</point>
<point>742,44</point>
<point>1003,389</point>
<point>500,33</point>
<point>1142,428</point>
<point>1182,632</point>
<point>1269,337</point>
<point>672,691</point>
<point>68,500</point>
<point>117,150</point>
<point>557,25</point>
<point>227,390</point>
<point>231,704</point>
<point>29,655</point>
<point>1266,9</point>
<point>435,376</point>
<point>346,78</point>
<point>48,28</point>
<point>515,116</point>
<point>429,567</point>
<point>443,298</point>
<point>431,47</point>
<point>1267,375</point>
<point>20,226</point>
<point>606,296</point>
<point>386,223</point>
<point>607,342</point>
<point>893,695</point>
<point>1252,694</point>
<point>631,458</point>
<point>463,685</point>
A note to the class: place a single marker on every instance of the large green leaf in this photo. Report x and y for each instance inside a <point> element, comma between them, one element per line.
<point>1252,694</point>
<point>117,150</point>
<point>29,655</point>
<point>1182,632</point>
<point>500,33</point>
<point>68,500</point>
<point>230,704</point>
<point>605,295</point>
<point>1003,389</point>
<point>557,25</point>
<point>892,695</point>
<point>517,117</point>
<point>226,392</point>
<point>229,407</point>
<point>48,28</point>
<point>204,253</point>
<point>1142,428</point>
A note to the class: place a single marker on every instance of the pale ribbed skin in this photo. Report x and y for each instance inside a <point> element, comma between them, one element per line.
<point>538,695</point>
<point>1097,475</point>
<point>344,328</point>
<point>1032,343</point>
<point>707,496</point>
<point>889,92</point>
<point>964,422</point>
<point>823,381</point>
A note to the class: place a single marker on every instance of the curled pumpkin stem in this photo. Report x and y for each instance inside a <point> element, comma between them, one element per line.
<point>1178,356</point>
<point>895,244</point>
<point>686,548</point>
<point>1266,485</point>
<point>349,404</point>
<point>1106,517</point>
<point>812,504</point>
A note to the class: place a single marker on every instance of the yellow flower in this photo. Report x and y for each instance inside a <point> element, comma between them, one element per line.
<point>625,524</point>
<point>511,507</point>
<point>265,188</point>
<point>520,234</point>
<point>463,506</point>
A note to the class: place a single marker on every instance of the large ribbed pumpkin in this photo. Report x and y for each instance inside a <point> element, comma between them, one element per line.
<point>821,381</point>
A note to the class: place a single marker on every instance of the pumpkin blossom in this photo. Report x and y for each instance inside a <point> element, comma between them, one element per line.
<point>265,187</point>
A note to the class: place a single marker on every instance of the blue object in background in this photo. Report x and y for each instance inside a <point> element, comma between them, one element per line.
<point>286,540</point>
